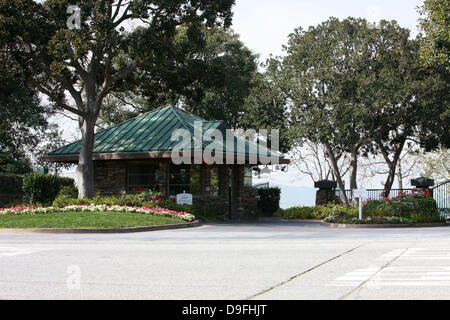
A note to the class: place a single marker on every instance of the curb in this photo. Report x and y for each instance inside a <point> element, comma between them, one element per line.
<point>380,226</point>
<point>101,230</point>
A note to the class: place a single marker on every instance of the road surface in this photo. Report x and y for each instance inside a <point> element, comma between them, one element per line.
<point>272,260</point>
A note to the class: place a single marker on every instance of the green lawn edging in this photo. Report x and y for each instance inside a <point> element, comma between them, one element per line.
<point>101,230</point>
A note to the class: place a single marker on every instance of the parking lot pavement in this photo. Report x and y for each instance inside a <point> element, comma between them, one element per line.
<point>274,260</point>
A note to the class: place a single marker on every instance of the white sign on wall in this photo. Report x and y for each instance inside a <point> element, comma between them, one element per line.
<point>184,198</point>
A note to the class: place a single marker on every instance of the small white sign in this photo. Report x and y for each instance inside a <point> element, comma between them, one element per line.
<point>360,193</point>
<point>184,198</point>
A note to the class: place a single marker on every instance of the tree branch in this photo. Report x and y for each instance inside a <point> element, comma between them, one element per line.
<point>60,101</point>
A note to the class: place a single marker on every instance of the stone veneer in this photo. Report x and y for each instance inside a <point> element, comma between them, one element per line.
<point>110,178</point>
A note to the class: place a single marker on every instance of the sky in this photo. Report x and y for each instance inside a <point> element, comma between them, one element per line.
<point>264,27</point>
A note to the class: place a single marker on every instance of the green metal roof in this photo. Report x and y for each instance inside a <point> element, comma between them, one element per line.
<point>151,133</point>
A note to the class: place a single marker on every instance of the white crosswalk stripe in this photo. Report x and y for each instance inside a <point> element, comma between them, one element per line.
<point>396,276</point>
<point>11,251</point>
<point>377,276</point>
<point>419,254</point>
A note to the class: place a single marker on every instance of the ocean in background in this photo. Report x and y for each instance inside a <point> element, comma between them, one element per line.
<point>296,196</point>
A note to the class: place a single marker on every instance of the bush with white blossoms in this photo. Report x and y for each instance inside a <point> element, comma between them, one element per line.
<point>29,210</point>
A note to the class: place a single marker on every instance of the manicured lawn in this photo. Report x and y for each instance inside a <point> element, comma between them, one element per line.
<point>84,220</point>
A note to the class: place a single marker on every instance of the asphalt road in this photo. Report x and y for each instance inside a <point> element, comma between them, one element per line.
<point>276,260</point>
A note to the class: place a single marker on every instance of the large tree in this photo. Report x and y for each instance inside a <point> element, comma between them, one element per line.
<point>212,79</point>
<point>265,106</point>
<point>86,64</point>
<point>22,113</point>
<point>227,69</point>
<point>435,23</point>
<point>323,69</point>
<point>404,98</point>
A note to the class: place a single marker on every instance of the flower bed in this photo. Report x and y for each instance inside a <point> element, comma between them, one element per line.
<point>31,210</point>
<point>417,206</point>
<point>369,220</point>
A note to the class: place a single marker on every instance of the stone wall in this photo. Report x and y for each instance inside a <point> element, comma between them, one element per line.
<point>110,177</point>
<point>249,200</point>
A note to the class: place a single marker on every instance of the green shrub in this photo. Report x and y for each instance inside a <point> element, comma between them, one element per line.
<point>425,210</point>
<point>417,206</point>
<point>296,213</point>
<point>147,195</point>
<point>9,165</point>
<point>369,220</point>
<point>378,208</point>
<point>68,191</point>
<point>269,200</point>
<point>42,188</point>
<point>318,212</point>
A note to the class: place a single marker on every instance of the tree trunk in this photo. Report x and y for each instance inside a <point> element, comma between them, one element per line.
<point>392,167</point>
<point>353,175</point>
<point>399,175</point>
<point>85,169</point>
<point>389,180</point>
<point>337,174</point>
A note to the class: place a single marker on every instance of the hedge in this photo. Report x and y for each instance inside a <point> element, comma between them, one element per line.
<point>269,200</point>
<point>416,206</point>
<point>43,188</point>
<point>318,212</point>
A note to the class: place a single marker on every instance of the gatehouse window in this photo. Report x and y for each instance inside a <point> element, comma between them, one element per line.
<point>184,178</point>
<point>143,177</point>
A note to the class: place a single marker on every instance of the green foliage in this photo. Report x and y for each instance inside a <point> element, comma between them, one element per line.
<point>435,165</point>
<point>9,165</point>
<point>318,212</point>
<point>42,188</point>
<point>68,191</point>
<point>84,220</point>
<point>418,207</point>
<point>359,90</point>
<point>265,106</point>
<point>213,77</point>
<point>101,56</point>
<point>147,195</point>
<point>269,200</point>
<point>143,199</point>
<point>369,220</point>
<point>296,213</point>
<point>435,23</point>
<point>22,115</point>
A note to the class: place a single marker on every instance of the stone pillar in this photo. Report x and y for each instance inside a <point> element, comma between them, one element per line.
<point>164,177</point>
<point>423,184</point>
<point>204,179</point>
<point>237,192</point>
<point>326,192</point>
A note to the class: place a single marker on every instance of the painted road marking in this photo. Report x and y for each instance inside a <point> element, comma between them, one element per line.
<point>376,276</point>
<point>11,251</point>
<point>419,254</point>
<point>396,276</point>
